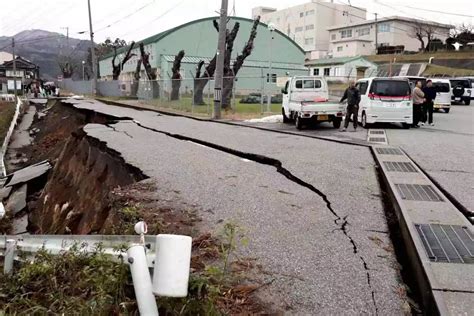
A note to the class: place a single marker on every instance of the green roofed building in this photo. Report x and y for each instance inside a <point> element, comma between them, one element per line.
<point>199,41</point>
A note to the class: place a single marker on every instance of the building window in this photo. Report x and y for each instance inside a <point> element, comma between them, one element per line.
<point>301,14</point>
<point>310,27</point>
<point>333,37</point>
<point>363,31</point>
<point>310,12</point>
<point>316,72</point>
<point>273,78</point>
<point>298,29</point>
<point>384,27</point>
<point>346,33</point>
<point>326,71</point>
<point>309,41</point>
<point>339,48</point>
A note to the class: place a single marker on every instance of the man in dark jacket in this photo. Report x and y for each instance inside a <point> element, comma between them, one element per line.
<point>352,95</point>
<point>430,95</point>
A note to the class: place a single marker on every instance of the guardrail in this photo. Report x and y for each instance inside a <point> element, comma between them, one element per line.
<point>6,141</point>
<point>169,256</point>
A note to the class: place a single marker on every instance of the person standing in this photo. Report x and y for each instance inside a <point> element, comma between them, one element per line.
<point>418,100</point>
<point>430,95</point>
<point>352,95</point>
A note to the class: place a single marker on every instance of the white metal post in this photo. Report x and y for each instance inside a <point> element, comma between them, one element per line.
<point>271,27</point>
<point>9,255</point>
<point>142,281</point>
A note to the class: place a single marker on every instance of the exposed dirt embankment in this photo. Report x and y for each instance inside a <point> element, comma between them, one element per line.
<point>76,197</point>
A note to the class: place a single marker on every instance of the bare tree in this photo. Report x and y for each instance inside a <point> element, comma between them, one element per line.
<point>231,72</point>
<point>429,33</point>
<point>117,69</point>
<point>150,72</point>
<point>176,77</point>
<point>136,79</point>
<point>67,69</point>
<point>201,79</point>
<point>418,31</point>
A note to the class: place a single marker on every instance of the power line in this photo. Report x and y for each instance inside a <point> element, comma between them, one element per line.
<point>126,16</point>
<point>440,12</point>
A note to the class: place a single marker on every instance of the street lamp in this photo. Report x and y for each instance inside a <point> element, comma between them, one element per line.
<point>83,65</point>
<point>271,28</point>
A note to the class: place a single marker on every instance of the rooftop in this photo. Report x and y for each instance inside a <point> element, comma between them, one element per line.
<point>333,61</point>
<point>391,18</point>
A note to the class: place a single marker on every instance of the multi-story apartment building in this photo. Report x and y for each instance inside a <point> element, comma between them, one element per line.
<point>347,40</point>
<point>308,24</point>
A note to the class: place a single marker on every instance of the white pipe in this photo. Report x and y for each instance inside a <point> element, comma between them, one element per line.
<point>172,264</point>
<point>142,281</point>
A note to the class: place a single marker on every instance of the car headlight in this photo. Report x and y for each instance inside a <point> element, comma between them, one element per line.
<point>468,91</point>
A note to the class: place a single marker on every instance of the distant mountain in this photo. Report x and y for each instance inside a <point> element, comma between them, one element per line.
<point>46,49</point>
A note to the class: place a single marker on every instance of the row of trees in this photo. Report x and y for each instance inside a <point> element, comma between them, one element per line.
<point>202,76</point>
<point>426,35</point>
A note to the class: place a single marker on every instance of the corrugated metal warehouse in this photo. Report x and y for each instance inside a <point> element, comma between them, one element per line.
<point>199,41</point>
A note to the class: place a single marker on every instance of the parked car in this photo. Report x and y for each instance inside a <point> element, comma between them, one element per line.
<point>385,100</point>
<point>461,89</point>
<point>471,80</point>
<point>443,94</point>
<point>256,98</point>
<point>305,100</point>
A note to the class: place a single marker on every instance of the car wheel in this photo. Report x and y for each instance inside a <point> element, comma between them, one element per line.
<point>336,123</point>
<point>286,119</point>
<point>299,122</point>
<point>467,101</point>
<point>406,125</point>
<point>446,110</point>
<point>364,121</point>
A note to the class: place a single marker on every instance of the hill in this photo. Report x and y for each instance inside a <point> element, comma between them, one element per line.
<point>46,49</point>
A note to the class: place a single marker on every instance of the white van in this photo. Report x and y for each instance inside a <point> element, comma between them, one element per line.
<point>385,100</point>
<point>443,94</point>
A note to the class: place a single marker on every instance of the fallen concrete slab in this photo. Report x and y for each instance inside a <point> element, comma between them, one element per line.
<point>27,174</point>
<point>17,200</point>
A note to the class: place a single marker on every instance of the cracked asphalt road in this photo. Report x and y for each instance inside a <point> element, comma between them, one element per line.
<point>316,224</point>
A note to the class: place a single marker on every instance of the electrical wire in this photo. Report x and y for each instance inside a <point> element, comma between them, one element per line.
<point>125,17</point>
<point>440,12</point>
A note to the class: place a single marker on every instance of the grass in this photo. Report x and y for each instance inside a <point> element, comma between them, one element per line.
<point>435,70</point>
<point>184,105</point>
<point>421,57</point>
<point>7,110</point>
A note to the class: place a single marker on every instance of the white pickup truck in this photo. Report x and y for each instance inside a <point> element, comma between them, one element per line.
<point>306,100</point>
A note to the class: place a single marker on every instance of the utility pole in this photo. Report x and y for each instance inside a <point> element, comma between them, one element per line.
<point>219,76</point>
<point>14,67</point>
<point>94,63</point>
<point>376,34</point>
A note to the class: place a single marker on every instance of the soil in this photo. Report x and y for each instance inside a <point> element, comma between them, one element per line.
<point>7,110</point>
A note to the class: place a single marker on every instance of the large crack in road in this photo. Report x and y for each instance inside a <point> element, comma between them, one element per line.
<point>341,222</point>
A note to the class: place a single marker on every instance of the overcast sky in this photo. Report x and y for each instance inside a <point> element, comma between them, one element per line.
<point>137,19</point>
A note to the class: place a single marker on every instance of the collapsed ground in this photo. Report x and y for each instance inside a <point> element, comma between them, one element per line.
<point>320,246</point>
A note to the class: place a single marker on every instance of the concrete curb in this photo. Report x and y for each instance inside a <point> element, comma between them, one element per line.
<point>445,287</point>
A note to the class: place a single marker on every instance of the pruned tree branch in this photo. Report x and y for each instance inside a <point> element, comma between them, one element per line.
<point>247,50</point>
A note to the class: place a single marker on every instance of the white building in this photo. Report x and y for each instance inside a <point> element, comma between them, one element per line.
<point>359,38</point>
<point>341,69</point>
<point>308,24</point>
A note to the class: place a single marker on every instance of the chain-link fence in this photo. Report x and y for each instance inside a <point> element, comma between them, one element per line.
<point>242,97</point>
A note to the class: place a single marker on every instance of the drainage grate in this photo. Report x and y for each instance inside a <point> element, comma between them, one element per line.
<point>447,243</point>
<point>378,139</point>
<point>377,132</point>
<point>389,151</point>
<point>399,166</point>
<point>417,192</point>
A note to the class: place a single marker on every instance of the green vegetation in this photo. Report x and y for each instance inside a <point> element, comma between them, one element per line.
<point>79,283</point>
<point>435,70</point>
<point>7,110</point>
<point>71,283</point>
<point>421,57</point>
